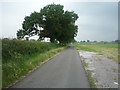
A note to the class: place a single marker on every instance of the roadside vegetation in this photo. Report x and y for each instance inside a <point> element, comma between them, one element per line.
<point>108,49</point>
<point>91,79</point>
<point>89,75</point>
<point>19,57</point>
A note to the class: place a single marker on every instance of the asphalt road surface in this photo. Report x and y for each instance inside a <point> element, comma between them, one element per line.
<point>62,71</point>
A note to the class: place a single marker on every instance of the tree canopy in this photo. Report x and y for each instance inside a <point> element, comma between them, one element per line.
<point>52,22</point>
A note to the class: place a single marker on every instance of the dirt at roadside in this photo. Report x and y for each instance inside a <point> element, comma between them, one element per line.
<point>104,70</point>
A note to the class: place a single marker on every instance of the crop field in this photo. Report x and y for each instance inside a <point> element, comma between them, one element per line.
<point>108,49</point>
<point>19,57</point>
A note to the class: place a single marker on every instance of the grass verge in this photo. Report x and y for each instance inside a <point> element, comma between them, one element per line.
<point>91,79</point>
<point>13,71</point>
<point>89,75</point>
<point>19,57</point>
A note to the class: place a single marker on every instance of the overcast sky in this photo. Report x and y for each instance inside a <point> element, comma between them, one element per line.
<point>97,20</point>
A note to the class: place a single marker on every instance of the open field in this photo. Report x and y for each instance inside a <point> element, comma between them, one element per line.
<point>20,57</point>
<point>108,49</point>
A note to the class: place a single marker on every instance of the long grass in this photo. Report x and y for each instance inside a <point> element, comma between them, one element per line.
<point>108,49</point>
<point>16,49</point>
<point>21,57</point>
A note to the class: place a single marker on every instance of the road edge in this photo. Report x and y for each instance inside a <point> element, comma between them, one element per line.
<point>34,69</point>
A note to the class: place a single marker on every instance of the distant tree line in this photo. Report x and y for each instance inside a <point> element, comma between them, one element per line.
<point>87,41</point>
<point>51,22</point>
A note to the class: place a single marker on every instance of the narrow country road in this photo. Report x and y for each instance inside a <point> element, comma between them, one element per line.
<point>62,71</point>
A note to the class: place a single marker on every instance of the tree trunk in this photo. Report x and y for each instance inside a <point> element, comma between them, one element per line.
<point>52,40</point>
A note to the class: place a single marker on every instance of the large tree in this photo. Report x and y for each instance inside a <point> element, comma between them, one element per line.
<point>53,22</point>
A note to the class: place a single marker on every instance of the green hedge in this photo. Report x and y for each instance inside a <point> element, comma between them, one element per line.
<point>16,49</point>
